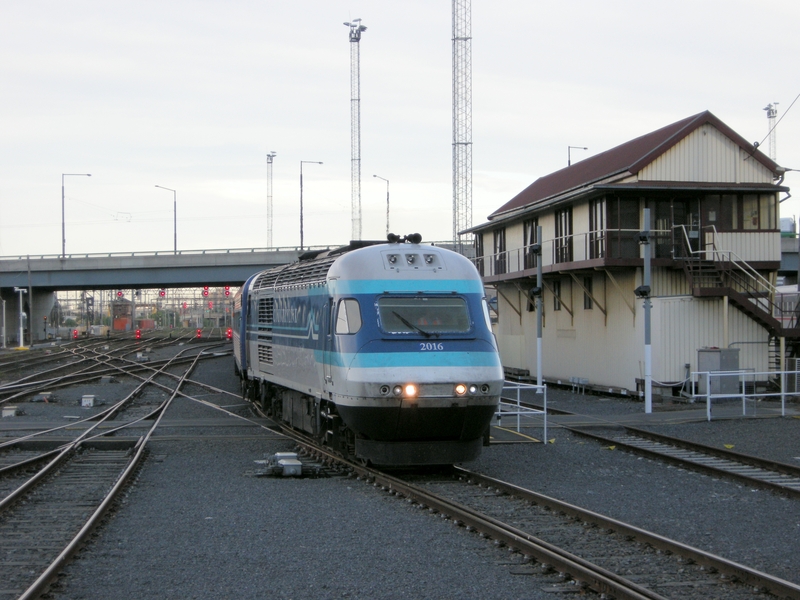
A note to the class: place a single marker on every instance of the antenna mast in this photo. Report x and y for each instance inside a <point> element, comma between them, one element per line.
<point>356,29</point>
<point>271,155</point>
<point>772,113</point>
<point>462,117</point>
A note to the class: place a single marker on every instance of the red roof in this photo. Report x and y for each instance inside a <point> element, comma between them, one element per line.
<point>627,158</point>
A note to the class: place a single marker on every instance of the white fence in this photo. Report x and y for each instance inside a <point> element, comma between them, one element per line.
<point>511,406</point>
<point>716,385</point>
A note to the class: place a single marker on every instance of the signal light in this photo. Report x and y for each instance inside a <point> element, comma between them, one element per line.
<point>184,306</point>
<point>229,333</point>
<point>199,333</point>
<point>162,292</point>
<point>210,304</point>
<point>138,334</point>
<point>227,290</point>
<point>119,293</point>
<point>205,290</point>
<point>45,318</point>
<point>74,334</point>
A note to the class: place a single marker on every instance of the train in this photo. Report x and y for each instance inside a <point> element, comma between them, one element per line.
<point>382,351</point>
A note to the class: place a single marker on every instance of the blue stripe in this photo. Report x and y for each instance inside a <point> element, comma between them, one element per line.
<point>372,360</point>
<point>379,286</point>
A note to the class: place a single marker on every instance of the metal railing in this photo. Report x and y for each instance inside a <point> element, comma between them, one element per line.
<point>709,386</point>
<point>511,405</point>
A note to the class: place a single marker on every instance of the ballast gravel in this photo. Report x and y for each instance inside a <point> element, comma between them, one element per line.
<point>200,523</point>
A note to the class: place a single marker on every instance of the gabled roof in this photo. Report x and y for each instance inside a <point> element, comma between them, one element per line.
<point>626,159</point>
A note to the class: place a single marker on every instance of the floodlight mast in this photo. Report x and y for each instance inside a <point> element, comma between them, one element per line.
<point>356,29</point>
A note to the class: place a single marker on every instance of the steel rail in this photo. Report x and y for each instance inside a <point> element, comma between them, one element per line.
<point>756,471</point>
<point>41,583</point>
<point>775,585</point>
<point>764,473</point>
<point>589,574</point>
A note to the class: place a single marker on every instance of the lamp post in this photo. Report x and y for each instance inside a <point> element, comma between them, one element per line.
<point>63,226</point>
<point>21,328</point>
<point>570,149</point>
<point>302,162</point>
<point>174,214</point>
<point>387,201</point>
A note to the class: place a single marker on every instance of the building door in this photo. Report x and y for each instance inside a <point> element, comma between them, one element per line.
<point>686,224</point>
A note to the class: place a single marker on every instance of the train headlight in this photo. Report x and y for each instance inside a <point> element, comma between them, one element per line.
<point>397,390</point>
<point>473,389</point>
<point>410,390</point>
<point>461,389</point>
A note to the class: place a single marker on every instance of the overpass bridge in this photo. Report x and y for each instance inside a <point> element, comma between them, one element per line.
<point>42,275</point>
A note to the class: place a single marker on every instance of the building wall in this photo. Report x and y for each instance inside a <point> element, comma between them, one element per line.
<point>706,155</point>
<point>608,349</point>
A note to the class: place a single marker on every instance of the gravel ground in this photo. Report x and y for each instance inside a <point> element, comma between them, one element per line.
<point>198,523</point>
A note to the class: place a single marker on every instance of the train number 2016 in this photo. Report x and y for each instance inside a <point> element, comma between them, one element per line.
<point>426,346</point>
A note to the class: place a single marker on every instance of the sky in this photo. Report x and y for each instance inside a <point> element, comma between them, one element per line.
<point>193,95</point>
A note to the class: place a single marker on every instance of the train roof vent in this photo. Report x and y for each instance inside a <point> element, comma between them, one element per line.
<point>267,279</point>
<point>305,273</point>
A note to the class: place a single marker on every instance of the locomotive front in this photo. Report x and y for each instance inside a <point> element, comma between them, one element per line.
<point>411,365</point>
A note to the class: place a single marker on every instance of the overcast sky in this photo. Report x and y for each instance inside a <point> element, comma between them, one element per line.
<point>192,96</point>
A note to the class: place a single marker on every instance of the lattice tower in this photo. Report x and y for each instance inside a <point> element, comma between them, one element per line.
<point>356,29</point>
<point>462,117</point>
<point>270,157</point>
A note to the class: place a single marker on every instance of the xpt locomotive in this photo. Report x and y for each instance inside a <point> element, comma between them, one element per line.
<point>382,351</point>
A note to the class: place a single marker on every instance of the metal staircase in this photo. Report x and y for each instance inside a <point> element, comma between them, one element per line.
<point>715,273</point>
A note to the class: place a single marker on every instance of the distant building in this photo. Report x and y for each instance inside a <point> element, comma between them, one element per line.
<point>716,244</point>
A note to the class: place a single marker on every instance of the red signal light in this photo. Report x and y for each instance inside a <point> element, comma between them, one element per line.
<point>119,294</point>
<point>227,290</point>
<point>210,304</point>
<point>199,333</point>
<point>162,292</point>
<point>74,334</point>
<point>205,290</point>
<point>229,333</point>
<point>184,306</point>
<point>138,334</point>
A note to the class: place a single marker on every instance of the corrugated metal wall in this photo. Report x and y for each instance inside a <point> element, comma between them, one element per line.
<point>706,155</point>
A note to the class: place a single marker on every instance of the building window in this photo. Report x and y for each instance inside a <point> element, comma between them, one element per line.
<point>479,253</point>
<point>588,303</point>
<point>597,228</point>
<point>563,242</point>
<point>529,228</point>
<point>557,295</point>
<point>499,251</point>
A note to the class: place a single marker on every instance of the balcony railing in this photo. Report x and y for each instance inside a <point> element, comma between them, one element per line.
<point>608,243</point>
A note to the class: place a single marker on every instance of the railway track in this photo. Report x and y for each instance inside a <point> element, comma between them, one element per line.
<point>776,476</point>
<point>589,551</point>
<point>52,499</point>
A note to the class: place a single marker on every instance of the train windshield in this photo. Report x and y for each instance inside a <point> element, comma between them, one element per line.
<point>424,315</point>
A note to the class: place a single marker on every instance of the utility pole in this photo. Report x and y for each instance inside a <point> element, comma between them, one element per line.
<point>356,29</point>
<point>462,117</point>
<point>270,156</point>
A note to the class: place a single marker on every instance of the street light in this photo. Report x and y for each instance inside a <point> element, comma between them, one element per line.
<point>387,201</point>
<point>174,214</point>
<point>570,149</point>
<point>302,162</point>
<point>21,329</point>
<point>63,227</point>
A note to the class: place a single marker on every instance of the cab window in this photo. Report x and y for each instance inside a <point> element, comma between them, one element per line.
<point>348,316</point>
<point>424,314</point>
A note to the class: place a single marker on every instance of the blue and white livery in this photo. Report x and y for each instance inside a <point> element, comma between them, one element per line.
<point>383,351</point>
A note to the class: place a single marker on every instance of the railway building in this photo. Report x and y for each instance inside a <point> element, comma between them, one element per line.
<point>713,200</point>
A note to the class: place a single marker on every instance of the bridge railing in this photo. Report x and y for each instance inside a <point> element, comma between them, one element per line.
<point>166,253</point>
